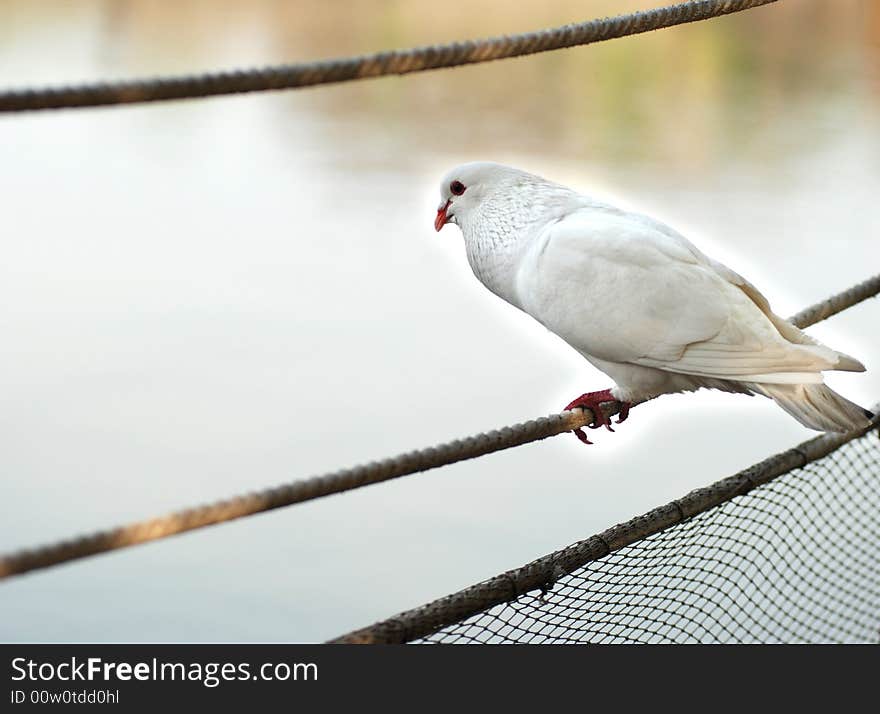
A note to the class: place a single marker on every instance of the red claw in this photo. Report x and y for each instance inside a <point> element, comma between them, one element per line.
<point>592,401</point>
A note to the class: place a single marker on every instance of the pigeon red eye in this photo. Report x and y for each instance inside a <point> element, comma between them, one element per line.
<point>457,188</point>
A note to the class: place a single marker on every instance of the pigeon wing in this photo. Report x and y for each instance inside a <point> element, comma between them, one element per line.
<point>625,288</point>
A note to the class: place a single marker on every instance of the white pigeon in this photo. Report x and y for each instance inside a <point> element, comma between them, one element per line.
<point>636,299</point>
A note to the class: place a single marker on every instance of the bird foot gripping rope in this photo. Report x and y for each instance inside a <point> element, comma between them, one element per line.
<point>594,401</point>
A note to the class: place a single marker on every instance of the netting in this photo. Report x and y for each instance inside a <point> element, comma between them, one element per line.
<point>795,560</point>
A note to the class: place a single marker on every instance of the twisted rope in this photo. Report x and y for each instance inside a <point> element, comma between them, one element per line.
<point>838,303</point>
<point>348,479</point>
<point>346,69</point>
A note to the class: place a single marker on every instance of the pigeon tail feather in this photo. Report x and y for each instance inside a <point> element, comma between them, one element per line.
<point>817,406</point>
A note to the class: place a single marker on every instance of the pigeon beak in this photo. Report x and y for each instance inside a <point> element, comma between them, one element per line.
<point>442,219</point>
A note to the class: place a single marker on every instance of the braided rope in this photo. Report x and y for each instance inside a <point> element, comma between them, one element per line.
<point>346,69</point>
<point>344,480</point>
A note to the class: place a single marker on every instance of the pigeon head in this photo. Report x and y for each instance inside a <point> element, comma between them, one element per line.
<point>465,187</point>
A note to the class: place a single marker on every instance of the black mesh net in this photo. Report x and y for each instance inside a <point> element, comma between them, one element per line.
<point>795,560</point>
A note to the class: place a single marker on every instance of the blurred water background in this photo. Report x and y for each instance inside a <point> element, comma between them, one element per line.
<point>203,298</point>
